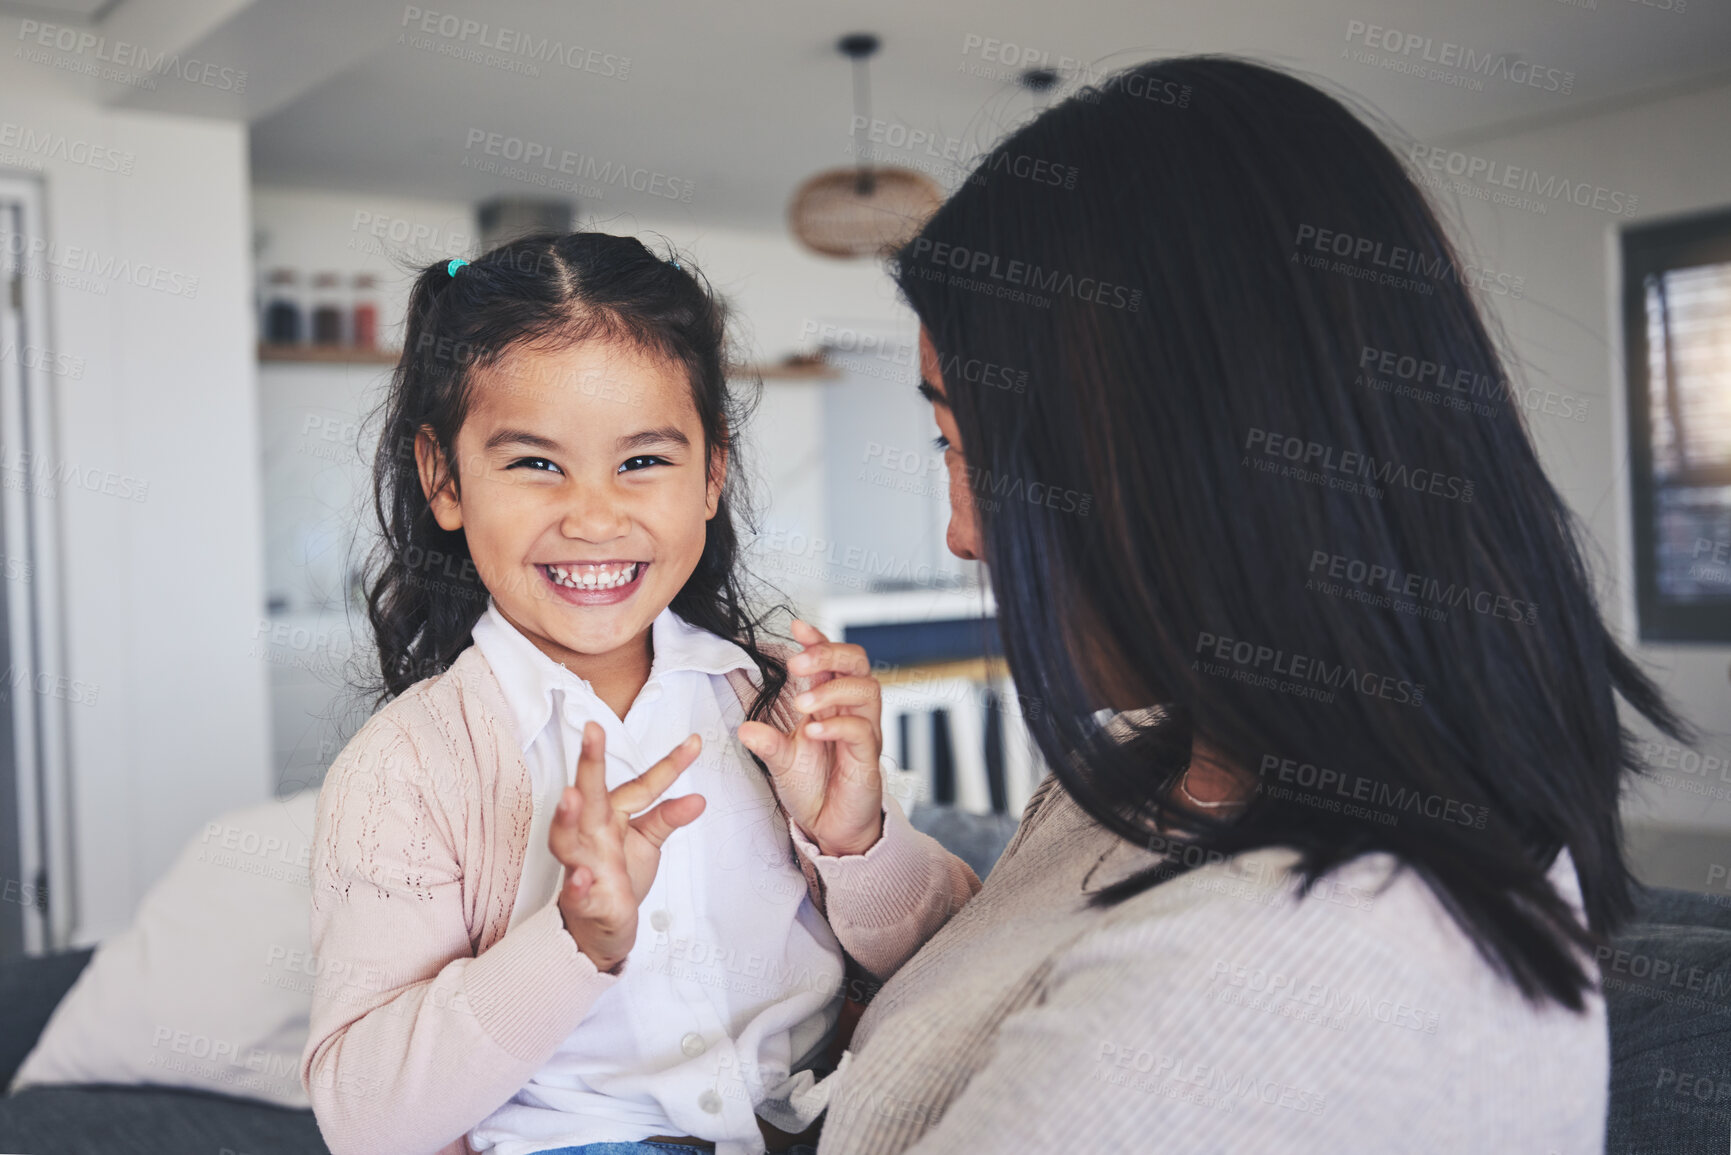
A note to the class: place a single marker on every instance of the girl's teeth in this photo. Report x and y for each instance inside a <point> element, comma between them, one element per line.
<point>594,577</point>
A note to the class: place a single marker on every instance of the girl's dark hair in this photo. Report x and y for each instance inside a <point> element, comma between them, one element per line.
<point>1166,296</point>
<point>542,291</point>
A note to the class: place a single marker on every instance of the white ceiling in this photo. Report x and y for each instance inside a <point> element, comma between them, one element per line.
<point>744,100</point>
<point>80,11</point>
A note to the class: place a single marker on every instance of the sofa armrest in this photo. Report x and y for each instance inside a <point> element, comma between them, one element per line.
<point>31,986</point>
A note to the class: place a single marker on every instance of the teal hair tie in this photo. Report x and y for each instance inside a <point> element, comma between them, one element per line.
<point>456,263</point>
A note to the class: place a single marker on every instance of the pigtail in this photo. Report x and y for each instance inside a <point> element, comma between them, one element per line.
<point>424,595</point>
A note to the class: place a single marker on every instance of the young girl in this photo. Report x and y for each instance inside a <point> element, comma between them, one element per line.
<point>563,633</point>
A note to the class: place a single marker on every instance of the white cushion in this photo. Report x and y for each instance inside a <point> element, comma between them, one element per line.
<point>210,986</point>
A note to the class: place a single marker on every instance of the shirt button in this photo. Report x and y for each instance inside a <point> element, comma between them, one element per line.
<point>660,920</point>
<point>710,1102</point>
<point>692,1045</point>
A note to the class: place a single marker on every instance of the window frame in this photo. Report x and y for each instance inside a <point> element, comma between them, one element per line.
<point>1702,239</point>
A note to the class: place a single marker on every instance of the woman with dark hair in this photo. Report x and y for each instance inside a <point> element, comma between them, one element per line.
<point>1332,832</point>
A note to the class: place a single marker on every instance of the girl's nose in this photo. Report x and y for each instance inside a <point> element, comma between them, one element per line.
<point>594,516</point>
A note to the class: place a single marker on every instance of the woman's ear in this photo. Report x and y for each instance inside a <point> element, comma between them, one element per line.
<point>717,480</point>
<point>438,483</point>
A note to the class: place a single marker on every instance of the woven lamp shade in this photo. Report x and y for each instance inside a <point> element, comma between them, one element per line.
<point>847,213</point>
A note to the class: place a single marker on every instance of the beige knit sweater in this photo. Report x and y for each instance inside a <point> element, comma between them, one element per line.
<point>1215,1013</point>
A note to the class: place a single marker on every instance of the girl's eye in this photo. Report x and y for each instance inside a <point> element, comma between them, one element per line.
<point>536,463</point>
<point>644,461</point>
<point>941,442</point>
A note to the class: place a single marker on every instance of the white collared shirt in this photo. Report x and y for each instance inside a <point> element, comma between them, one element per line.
<point>735,978</point>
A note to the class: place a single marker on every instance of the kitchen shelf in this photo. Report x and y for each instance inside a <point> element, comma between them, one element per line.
<point>328,354</point>
<point>924,673</point>
<point>793,368</point>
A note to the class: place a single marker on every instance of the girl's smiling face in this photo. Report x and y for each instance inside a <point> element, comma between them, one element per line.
<point>584,487</point>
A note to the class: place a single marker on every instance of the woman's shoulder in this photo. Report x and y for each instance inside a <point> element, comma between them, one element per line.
<point>1354,1016</point>
<point>1369,938</point>
<point>1370,914</point>
<point>1353,993</point>
<point>1366,904</point>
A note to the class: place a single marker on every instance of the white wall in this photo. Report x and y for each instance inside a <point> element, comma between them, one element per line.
<point>1672,155</point>
<point>161,595</point>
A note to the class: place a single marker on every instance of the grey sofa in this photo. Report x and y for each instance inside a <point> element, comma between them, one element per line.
<point>1670,1044</point>
<point>121,1120</point>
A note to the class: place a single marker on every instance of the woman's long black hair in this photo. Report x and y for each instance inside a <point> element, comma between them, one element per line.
<point>1185,504</point>
<point>547,290</point>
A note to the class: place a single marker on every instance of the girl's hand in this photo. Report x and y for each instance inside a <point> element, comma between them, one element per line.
<point>826,771</point>
<point>609,856</point>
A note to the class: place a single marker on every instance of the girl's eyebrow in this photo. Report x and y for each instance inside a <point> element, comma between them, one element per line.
<point>520,437</point>
<point>666,435</point>
<point>930,393</point>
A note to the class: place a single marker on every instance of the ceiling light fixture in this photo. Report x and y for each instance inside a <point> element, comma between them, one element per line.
<point>868,210</point>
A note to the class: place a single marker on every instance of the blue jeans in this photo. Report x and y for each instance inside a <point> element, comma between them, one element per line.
<point>652,1149</point>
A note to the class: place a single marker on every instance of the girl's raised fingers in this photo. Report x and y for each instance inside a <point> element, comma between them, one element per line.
<point>564,835</point>
<point>582,878</point>
<point>637,794</point>
<point>837,658</point>
<point>807,634</point>
<point>668,817</point>
<point>592,777</point>
<point>768,743</point>
<point>850,693</point>
<point>857,735</point>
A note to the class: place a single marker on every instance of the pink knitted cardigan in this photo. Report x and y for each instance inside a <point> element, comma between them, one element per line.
<point>427,1014</point>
